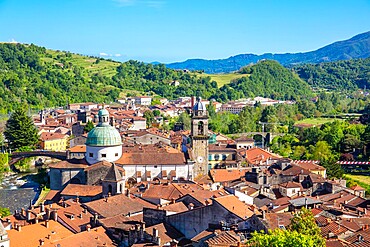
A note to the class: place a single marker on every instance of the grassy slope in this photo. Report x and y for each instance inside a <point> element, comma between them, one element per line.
<point>222,79</point>
<point>360,178</point>
<point>317,121</point>
<point>106,68</point>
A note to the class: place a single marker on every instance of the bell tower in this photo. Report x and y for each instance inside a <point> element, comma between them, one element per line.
<point>199,138</point>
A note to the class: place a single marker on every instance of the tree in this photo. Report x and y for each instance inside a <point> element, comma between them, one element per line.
<point>149,116</point>
<point>4,212</point>
<point>20,130</point>
<point>304,223</point>
<point>280,238</point>
<point>89,126</point>
<point>185,119</point>
<point>156,113</point>
<point>302,231</point>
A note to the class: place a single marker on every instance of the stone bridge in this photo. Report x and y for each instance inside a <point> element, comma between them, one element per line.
<point>17,156</point>
<point>268,136</point>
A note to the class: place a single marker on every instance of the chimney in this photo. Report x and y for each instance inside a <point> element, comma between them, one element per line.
<point>142,230</point>
<point>36,220</point>
<point>47,223</point>
<point>128,193</point>
<point>41,242</point>
<point>42,207</point>
<point>191,206</point>
<point>77,200</point>
<point>109,194</point>
<point>173,243</point>
<point>19,227</point>
<point>85,210</point>
<point>80,215</point>
<point>31,206</point>
<point>28,215</point>
<point>88,227</point>
<point>55,215</point>
<point>96,219</point>
<point>155,233</point>
<point>264,214</point>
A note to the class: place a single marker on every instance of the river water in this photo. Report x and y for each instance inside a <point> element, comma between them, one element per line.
<point>16,191</point>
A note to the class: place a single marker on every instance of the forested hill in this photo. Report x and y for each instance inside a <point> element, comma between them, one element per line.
<point>341,75</point>
<point>356,47</point>
<point>44,78</point>
<point>267,79</point>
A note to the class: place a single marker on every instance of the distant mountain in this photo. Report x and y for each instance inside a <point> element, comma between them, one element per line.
<point>356,47</point>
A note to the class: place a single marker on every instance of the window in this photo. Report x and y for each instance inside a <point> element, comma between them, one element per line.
<point>91,155</point>
<point>217,157</point>
<point>224,156</point>
<point>116,154</point>
<point>155,166</point>
<point>103,155</point>
<point>210,157</point>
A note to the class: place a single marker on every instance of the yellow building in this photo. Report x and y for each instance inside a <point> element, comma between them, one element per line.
<point>53,141</point>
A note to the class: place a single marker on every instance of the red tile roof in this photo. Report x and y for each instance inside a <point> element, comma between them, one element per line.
<point>94,237</point>
<point>234,205</point>
<point>118,204</point>
<point>78,149</point>
<point>47,136</point>
<point>81,190</point>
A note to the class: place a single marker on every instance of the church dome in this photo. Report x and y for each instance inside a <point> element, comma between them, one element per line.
<point>103,134</point>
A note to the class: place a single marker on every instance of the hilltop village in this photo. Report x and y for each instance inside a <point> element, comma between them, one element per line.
<point>123,184</point>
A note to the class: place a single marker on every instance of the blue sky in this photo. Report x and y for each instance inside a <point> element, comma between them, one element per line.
<point>175,30</point>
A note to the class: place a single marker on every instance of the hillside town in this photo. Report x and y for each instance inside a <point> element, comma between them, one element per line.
<point>123,184</point>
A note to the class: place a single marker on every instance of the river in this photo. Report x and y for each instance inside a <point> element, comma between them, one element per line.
<point>16,191</point>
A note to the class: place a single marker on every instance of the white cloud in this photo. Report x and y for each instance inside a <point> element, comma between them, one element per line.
<point>117,55</point>
<point>103,54</point>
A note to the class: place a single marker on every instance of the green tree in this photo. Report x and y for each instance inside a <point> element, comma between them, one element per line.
<point>89,126</point>
<point>304,223</point>
<point>185,119</point>
<point>4,212</point>
<point>282,238</point>
<point>156,113</point>
<point>149,116</point>
<point>20,130</point>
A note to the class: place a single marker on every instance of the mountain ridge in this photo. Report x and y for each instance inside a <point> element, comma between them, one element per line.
<point>356,47</point>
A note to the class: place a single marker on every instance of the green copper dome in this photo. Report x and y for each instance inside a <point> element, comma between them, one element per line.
<point>103,134</point>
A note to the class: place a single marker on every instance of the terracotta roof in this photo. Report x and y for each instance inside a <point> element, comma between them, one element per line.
<point>234,205</point>
<point>333,227</point>
<point>53,195</point>
<point>78,149</point>
<point>68,165</point>
<point>177,207</point>
<point>228,238</point>
<point>290,185</point>
<point>122,222</point>
<point>222,175</point>
<point>151,155</point>
<point>118,204</point>
<point>104,163</point>
<point>203,235</point>
<point>276,220</point>
<point>165,231</point>
<point>94,237</point>
<point>81,190</point>
<point>257,155</point>
<point>311,165</point>
<point>74,216</point>
<point>47,136</point>
<point>113,174</point>
<point>31,234</point>
<point>357,188</point>
<point>334,243</point>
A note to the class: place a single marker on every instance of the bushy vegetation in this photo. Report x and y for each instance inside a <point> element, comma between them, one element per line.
<point>302,231</point>
<point>267,79</point>
<point>341,75</point>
